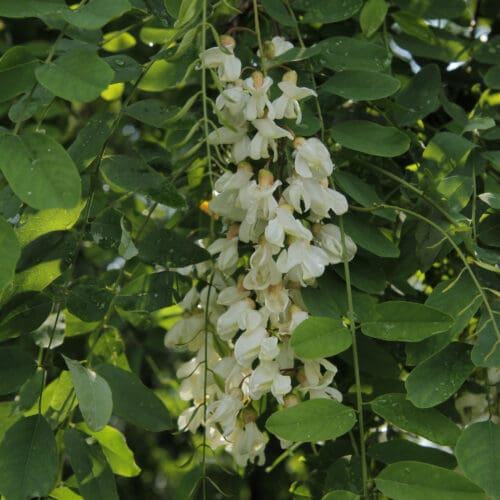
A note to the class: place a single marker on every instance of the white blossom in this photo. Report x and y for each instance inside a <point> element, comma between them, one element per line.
<point>267,378</point>
<point>312,159</point>
<point>258,86</point>
<point>265,138</point>
<point>329,238</point>
<point>228,66</point>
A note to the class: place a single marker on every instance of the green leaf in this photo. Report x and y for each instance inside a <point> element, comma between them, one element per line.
<point>489,230</point>
<point>371,138</point>
<point>28,459</point>
<point>38,277</point>
<point>23,314</point>
<point>487,52</point>
<point>405,321</point>
<point>312,420</point>
<point>456,191</point>
<point>369,237</point>
<point>118,454</point>
<point>492,77</point>
<point>478,455</point>
<point>296,54</point>
<point>440,376</point>
<point>126,69</point>
<point>30,104</point>
<point>16,366</point>
<point>133,401</point>
<point>164,75</point>
<point>90,139</point>
<point>340,495</point>
<point>277,10</point>
<point>398,450</point>
<point>39,171</point>
<point>413,25</point>
<point>318,11</point>
<point>94,476</point>
<point>428,423</point>
<point>152,112</point>
<point>89,302</point>
<point>93,394</point>
<point>486,350</point>
<point>372,16</point>
<point>31,8</point>
<point>360,85</point>
<point>110,348</point>
<point>415,480</point>
<point>17,72</point>
<point>64,493</point>
<point>10,251</point>
<point>341,53</point>
<point>69,79</point>
<point>95,13</point>
<point>125,174</point>
<point>320,337</point>
<point>167,247</point>
<point>420,96</point>
<point>433,9</point>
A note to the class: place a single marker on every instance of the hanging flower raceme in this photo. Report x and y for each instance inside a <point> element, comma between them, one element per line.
<point>277,238</point>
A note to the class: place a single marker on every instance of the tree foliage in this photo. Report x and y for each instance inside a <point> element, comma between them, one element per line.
<point>106,175</point>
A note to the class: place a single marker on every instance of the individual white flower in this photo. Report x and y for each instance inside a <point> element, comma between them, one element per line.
<point>237,139</point>
<point>275,47</point>
<point>229,322</point>
<point>258,86</point>
<point>284,223</point>
<point>267,378</point>
<point>312,159</point>
<point>316,377</point>
<point>190,300</point>
<point>231,373</point>
<point>227,248</point>
<point>329,238</point>
<point>228,66</point>
<point>247,444</point>
<point>308,260</point>
<point>234,181</point>
<point>232,294</point>
<point>276,298</point>
<point>190,419</point>
<point>233,99</point>
<point>258,200</point>
<point>472,407</point>
<point>265,138</point>
<point>263,270</point>
<point>225,410</point>
<point>186,332</point>
<point>247,347</point>
<point>287,105</point>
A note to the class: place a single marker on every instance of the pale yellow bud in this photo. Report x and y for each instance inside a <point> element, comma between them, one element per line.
<point>290,400</point>
<point>298,142</point>
<point>266,177</point>
<point>233,231</point>
<point>257,79</point>
<point>290,76</point>
<point>227,41</point>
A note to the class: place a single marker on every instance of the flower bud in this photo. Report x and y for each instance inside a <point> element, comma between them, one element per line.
<point>227,41</point>
<point>290,400</point>
<point>266,178</point>
<point>233,231</point>
<point>245,166</point>
<point>269,50</point>
<point>290,76</point>
<point>257,79</point>
<point>298,142</point>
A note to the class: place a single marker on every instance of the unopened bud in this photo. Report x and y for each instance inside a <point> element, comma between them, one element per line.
<point>290,400</point>
<point>239,283</point>
<point>244,166</point>
<point>251,302</point>
<point>227,41</point>
<point>248,415</point>
<point>290,76</point>
<point>233,231</point>
<point>266,177</point>
<point>257,79</point>
<point>298,142</point>
<point>316,228</point>
<point>269,50</point>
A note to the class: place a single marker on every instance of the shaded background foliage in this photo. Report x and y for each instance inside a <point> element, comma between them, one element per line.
<point>102,180</point>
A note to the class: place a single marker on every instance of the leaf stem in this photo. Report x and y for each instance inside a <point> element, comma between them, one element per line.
<point>357,377</point>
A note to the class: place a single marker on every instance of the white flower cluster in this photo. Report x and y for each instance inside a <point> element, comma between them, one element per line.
<point>240,325</point>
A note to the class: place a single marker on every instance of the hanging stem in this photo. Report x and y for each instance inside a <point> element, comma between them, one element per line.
<point>357,378</point>
<point>259,36</point>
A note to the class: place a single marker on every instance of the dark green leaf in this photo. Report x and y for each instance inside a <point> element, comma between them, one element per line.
<point>93,394</point>
<point>125,67</point>
<point>440,376</point>
<point>125,174</point>
<point>320,337</point>
<point>433,9</point>
<point>486,350</point>
<point>448,151</point>
<point>17,72</point>
<point>68,78</point>
<point>487,52</point>
<point>398,450</point>
<point>10,252</point>
<point>167,247</point>
<point>428,423</point>
<point>341,495</point>
<point>405,321</point>
<point>28,459</point>
<point>360,85</point>
<point>277,10</point>
<point>94,476</point>
<point>39,171</point>
<point>16,366</point>
<point>318,11</point>
<point>152,112</point>
<point>489,230</point>
<point>312,420</point>
<point>95,13</point>
<point>372,16</point>
<point>371,138</point>
<point>341,53</point>
<point>420,97</point>
<point>415,480</point>
<point>478,454</point>
<point>369,237</point>
<point>88,302</point>
<point>492,77</point>
<point>413,25</point>
<point>31,8</point>
<point>296,54</point>
<point>133,401</point>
